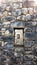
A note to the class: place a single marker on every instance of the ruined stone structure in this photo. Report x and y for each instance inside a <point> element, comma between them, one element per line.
<point>18,32</point>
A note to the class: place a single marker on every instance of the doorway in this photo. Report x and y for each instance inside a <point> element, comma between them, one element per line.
<point>19,36</point>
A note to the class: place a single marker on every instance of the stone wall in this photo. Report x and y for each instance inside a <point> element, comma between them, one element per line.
<point>18,14</point>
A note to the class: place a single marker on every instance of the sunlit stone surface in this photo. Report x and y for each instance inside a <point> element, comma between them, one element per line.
<point>24,11</point>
